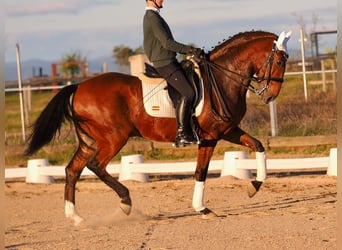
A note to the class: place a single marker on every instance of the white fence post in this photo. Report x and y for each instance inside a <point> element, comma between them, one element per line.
<point>126,170</point>
<point>302,40</point>
<point>229,165</point>
<point>273,118</point>
<point>332,167</point>
<point>33,173</point>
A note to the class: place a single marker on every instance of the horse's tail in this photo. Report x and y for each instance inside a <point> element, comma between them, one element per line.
<point>51,118</point>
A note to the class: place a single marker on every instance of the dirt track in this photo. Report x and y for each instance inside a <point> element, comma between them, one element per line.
<point>290,212</point>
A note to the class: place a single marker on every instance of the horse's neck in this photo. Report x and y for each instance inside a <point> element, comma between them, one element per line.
<point>237,65</point>
<point>227,99</point>
<point>236,69</point>
<point>232,77</point>
<point>240,64</point>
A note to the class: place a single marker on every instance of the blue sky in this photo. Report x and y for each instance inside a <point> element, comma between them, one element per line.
<point>47,29</point>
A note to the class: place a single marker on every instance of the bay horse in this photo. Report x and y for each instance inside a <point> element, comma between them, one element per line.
<point>105,114</point>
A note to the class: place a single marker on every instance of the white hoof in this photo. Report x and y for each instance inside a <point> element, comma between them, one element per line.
<point>77,220</point>
<point>126,208</point>
<point>70,212</point>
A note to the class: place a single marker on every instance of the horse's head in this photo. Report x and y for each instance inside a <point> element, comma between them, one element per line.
<point>269,77</point>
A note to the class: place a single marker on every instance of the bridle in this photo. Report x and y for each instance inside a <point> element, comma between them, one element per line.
<point>214,89</point>
<point>268,68</point>
<point>268,64</point>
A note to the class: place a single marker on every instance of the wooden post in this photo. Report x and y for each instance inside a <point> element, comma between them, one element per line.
<point>333,66</point>
<point>104,67</point>
<point>22,113</point>
<point>324,80</point>
<point>54,74</point>
<point>302,39</point>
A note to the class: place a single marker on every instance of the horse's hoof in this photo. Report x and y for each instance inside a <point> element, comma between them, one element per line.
<point>253,187</point>
<point>126,208</point>
<point>207,214</point>
<point>78,220</point>
<point>126,205</point>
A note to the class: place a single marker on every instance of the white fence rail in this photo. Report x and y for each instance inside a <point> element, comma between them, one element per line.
<point>34,88</point>
<point>133,167</point>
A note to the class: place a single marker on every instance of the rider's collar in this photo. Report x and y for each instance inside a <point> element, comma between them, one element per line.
<point>152,8</point>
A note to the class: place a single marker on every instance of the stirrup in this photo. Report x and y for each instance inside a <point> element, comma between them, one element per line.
<point>198,139</point>
<point>182,141</point>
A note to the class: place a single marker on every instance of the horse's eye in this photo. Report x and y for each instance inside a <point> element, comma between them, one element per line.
<point>280,63</point>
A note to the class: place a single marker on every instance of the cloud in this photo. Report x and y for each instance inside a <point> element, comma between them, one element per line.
<point>52,45</point>
<point>15,9</point>
<point>95,26</point>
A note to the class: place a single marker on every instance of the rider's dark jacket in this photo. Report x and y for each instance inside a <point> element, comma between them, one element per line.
<point>159,44</point>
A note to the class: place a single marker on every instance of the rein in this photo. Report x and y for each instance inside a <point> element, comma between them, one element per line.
<point>254,78</point>
<point>214,87</point>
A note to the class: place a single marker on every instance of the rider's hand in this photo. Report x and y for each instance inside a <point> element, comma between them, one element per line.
<point>198,54</point>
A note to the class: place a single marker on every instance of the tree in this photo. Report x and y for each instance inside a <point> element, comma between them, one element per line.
<point>71,63</point>
<point>121,54</point>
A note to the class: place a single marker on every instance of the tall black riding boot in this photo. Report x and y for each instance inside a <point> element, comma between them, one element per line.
<point>185,135</point>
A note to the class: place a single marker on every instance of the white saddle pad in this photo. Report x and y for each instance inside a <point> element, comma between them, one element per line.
<point>157,102</point>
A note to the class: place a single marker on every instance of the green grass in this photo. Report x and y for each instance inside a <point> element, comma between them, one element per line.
<point>296,116</point>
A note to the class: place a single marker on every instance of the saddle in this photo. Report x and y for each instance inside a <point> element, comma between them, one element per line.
<point>189,69</point>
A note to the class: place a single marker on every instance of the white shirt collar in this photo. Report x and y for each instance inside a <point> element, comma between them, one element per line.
<point>152,8</point>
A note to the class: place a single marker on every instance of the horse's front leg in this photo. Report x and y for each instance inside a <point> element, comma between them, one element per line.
<point>205,152</point>
<point>238,136</point>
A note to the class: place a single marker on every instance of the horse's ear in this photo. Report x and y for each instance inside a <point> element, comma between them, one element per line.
<point>282,40</point>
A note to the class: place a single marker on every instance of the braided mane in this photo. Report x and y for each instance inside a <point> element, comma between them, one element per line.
<point>238,40</point>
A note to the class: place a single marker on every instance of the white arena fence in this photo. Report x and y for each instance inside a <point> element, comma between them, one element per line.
<point>132,167</point>
<point>12,85</point>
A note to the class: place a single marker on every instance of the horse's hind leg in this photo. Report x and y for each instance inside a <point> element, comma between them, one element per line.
<point>88,156</point>
<point>73,172</point>
<point>98,167</point>
<point>106,149</point>
<point>238,136</point>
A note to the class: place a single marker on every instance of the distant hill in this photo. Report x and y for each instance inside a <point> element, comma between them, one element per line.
<point>34,67</point>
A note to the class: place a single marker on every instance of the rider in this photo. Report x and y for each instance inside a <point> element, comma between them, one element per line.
<point>161,49</point>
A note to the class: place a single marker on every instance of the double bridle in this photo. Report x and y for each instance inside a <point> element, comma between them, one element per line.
<point>268,64</point>
<point>214,89</point>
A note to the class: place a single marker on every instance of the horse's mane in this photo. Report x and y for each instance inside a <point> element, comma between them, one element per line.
<point>238,40</point>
